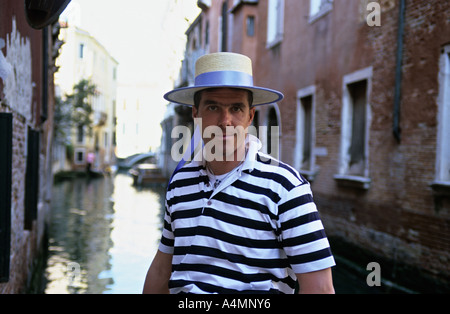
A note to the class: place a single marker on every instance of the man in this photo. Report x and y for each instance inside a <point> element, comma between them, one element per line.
<point>90,158</point>
<point>241,222</point>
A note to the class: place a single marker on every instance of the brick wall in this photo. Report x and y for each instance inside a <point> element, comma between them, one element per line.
<point>396,216</point>
<point>26,109</point>
<point>399,218</point>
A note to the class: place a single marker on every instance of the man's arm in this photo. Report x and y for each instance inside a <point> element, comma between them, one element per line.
<point>318,282</point>
<point>158,275</point>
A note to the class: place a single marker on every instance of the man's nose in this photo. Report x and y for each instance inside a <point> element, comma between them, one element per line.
<point>225,118</point>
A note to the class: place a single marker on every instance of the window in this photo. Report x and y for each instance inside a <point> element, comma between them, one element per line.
<point>443,136</point>
<point>96,142</point>
<point>275,22</point>
<point>314,7</point>
<point>357,153</point>
<point>80,134</point>
<point>250,26</point>
<point>305,145</point>
<point>105,139</point>
<point>32,179</point>
<point>354,163</point>
<point>207,34</point>
<point>81,52</point>
<point>318,8</point>
<point>79,156</point>
<point>5,193</point>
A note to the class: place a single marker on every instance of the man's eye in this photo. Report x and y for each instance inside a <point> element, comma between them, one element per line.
<point>212,108</point>
<point>237,108</point>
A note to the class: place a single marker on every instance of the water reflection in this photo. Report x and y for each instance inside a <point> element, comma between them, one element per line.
<point>107,227</point>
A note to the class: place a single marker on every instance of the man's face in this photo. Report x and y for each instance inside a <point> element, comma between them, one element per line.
<point>226,115</point>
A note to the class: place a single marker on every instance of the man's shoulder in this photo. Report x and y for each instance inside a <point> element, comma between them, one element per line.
<point>189,171</point>
<point>192,167</point>
<point>271,168</point>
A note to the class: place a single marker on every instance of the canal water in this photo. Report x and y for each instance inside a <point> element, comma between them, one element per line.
<point>104,233</point>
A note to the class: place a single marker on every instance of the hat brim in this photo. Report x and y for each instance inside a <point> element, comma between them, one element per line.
<point>261,96</point>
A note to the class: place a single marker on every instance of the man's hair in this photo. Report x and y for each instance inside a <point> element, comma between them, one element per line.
<point>198,96</point>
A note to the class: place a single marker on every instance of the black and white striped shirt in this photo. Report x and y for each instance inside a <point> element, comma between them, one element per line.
<point>250,234</point>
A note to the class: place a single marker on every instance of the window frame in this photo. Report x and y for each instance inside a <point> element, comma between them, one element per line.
<point>76,152</point>
<point>441,184</point>
<point>302,94</point>
<point>275,23</point>
<point>343,177</point>
<point>324,8</point>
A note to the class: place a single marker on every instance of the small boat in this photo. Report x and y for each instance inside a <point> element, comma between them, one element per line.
<point>147,173</point>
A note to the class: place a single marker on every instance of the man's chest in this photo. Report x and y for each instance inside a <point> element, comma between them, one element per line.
<point>231,217</point>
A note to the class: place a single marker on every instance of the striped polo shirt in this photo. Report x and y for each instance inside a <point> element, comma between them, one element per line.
<point>250,234</point>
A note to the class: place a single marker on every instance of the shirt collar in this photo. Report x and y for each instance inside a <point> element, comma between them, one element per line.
<point>253,146</point>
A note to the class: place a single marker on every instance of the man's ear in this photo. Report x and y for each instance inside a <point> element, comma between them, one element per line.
<point>194,112</point>
<point>252,115</point>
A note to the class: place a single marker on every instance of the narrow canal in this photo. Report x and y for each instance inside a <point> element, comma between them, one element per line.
<point>104,233</point>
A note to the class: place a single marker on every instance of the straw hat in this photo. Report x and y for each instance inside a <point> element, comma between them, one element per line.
<point>223,69</point>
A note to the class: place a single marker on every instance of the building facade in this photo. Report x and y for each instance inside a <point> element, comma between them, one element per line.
<point>27,65</point>
<point>365,117</point>
<point>367,128</point>
<point>83,57</point>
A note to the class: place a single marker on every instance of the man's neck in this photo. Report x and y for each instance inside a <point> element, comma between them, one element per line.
<point>222,167</point>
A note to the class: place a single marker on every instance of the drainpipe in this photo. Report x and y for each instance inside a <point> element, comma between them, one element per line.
<point>398,71</point>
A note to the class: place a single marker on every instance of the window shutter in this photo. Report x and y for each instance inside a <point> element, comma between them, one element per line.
<point>5,193</point>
